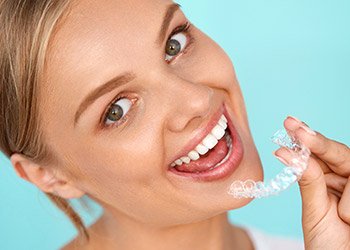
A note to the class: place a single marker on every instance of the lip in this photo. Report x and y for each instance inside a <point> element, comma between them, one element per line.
<point>198,138</point>
<point>226,168</point>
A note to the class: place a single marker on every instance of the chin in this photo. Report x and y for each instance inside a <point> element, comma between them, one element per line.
<point>233,157</point>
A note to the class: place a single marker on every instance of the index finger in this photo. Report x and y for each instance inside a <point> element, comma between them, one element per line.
<point>334,153</point>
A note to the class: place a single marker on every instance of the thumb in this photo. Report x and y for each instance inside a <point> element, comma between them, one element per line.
<point>313,189</point>
<point>314,195</point>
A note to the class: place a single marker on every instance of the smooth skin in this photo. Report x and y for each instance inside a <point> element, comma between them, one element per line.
<point>324,187</point>
<point>124,168</point>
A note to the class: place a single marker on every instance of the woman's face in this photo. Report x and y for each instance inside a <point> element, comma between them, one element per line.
<point>175,89</point>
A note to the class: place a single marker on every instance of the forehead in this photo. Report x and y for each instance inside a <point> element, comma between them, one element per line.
<point>97,29</point>
<point>96,41</point>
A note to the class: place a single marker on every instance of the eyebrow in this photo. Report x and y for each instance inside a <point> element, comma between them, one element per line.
<point>172,8</point>
<point>127,76</point>
<point>102,90</point>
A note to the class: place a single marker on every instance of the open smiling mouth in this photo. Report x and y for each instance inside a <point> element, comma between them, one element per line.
<point>216,156</point>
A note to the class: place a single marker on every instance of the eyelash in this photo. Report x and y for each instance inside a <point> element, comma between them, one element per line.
<point>185,28</point>
<point>133,100</point>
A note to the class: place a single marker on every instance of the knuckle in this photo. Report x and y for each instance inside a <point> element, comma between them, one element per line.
<point>344,154</point>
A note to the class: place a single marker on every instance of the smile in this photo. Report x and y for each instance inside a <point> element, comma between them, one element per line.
<point>208,143</point>
<point>216,156</point>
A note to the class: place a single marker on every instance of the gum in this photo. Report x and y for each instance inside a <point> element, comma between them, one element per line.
<point>283,180</point>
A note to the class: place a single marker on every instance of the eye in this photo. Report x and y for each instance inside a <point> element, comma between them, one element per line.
<point>177,42</point>
<point>117,111</point>
<point>175,45</point>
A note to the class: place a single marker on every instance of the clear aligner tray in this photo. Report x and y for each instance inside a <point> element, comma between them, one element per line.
<point>284,179</point>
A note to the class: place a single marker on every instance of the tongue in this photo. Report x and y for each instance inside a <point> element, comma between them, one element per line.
<point>210,159</point>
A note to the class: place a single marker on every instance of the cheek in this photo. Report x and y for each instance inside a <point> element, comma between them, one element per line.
<point>216,69</point>
<point>211,64</point>
<point>118,171</point>
<point>115,166</point>
<point>129,178</point>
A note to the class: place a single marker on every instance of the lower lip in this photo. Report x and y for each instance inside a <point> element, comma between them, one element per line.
<point>226,168</point>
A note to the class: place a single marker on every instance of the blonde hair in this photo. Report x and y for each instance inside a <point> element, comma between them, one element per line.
<point>25,31</point>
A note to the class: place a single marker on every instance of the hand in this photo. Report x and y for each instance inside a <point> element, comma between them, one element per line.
<point>324,188</point>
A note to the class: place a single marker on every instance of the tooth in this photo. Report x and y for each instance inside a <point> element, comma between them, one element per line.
<point>193,155</point>
<point>185,159</point>
<point>210,141</point>
<point>178,162</point>
<point>223,124</point>
<point>223,118</point>
<point>201,149</point>
<point>218,132</point>
<point>173,164</point>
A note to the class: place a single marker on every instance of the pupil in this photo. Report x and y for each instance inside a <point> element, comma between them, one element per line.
<point>116,113</point>
<point>173,47</point>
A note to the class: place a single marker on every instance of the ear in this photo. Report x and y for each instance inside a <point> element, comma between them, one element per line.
<point>43,178</point>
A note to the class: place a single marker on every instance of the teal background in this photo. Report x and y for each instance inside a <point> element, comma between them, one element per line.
<point>290,56</point>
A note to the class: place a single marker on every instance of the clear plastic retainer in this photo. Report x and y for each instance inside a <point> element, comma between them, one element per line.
<point>284,179</point>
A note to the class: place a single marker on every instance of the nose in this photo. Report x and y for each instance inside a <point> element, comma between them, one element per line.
<point>189,104</point>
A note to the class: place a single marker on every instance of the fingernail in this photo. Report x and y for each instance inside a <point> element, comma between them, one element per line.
<point>294,118</point>
<point>307,129</point>
<point>280,158</point>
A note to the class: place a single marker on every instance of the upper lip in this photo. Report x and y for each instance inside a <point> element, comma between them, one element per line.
<point>200,135</point>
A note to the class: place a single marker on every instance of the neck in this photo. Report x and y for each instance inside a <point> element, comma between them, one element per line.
<point>216,233</point>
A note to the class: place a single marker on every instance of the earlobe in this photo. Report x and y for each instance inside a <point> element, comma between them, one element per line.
<point>66,191</point>
<point>43,178</point>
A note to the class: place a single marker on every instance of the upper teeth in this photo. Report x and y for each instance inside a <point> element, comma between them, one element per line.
<point>207,143</point>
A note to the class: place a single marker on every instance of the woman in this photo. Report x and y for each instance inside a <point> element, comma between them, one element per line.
<point>130,104</point>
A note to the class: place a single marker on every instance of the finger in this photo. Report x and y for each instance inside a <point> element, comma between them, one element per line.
<point>344,204</point>
<point>335,182</point>
<point>292,123</point>
<point>336,193</point>
<point>313,189</point>
<point>322,164</point>
<point>335,154</point>
<point>325,168</point>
